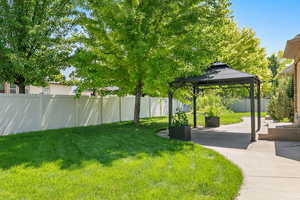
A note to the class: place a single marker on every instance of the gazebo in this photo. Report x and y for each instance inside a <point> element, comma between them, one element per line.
<point>220,74</point>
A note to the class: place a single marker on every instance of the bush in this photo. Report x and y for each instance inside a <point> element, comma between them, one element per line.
<point>180,119</point>
<point>281,103</point>
<point>211,104</point>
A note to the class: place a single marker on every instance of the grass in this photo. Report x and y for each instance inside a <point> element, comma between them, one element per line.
<point>285,120</point>
<point>112,162</point>
<point>226,118</point>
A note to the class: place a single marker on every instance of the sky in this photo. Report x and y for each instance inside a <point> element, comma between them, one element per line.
<point>274,21</point>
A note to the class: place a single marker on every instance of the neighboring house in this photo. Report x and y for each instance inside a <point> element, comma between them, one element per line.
<point>292,51</point>
<point>52,89</point>
<point>108,90</point>
<point>8,88</point>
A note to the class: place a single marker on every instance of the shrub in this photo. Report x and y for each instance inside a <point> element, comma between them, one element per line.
<point>213,111</point>
<point>180,119</point>
<point>211,104</point>
<point>281,103</point>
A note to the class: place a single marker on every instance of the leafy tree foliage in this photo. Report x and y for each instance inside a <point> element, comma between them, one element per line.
<point>142,45</point>
<point>277,63</point>
<point>33,46</point>
<point>211,104</point>
<point>281,104</point>
<point>241,50</point>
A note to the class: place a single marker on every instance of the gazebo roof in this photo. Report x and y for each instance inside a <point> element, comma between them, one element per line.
<point>218,74</point>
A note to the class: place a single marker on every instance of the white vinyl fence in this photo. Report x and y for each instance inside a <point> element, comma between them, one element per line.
<point>22,113</point>
<point>243,105</point>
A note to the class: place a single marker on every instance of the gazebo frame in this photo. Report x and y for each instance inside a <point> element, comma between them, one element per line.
<point>220,74</point>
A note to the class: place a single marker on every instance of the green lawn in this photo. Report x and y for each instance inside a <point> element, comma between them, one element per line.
<point>227,118</point>
<point>112,161</point>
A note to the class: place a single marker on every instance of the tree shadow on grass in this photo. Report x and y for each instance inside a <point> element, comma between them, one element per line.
<point>73,146</point>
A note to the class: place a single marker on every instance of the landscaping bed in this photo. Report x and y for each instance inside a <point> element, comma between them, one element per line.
<point>112,161</point>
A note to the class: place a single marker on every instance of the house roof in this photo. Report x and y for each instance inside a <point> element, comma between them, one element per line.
<point>217,74</point>
<point>292,48</point>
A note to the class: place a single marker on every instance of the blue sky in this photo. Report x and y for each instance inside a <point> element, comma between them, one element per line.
<point>274,21</point>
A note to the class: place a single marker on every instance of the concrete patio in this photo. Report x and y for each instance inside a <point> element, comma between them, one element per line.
<point>271,169</point>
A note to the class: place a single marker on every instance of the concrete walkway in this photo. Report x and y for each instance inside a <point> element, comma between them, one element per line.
<point>271,169</point>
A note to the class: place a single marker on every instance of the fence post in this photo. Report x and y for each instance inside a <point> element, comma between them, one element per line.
<point>160,107</point>
<point>120,108</point>
<point>149,107</point>
<point>101,109</point>
<point>76,113</point>
<point>41,111</point>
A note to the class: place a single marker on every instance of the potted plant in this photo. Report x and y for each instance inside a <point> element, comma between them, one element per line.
<point>212,105</point>
<point>212,118</point>
<point>180,128</point>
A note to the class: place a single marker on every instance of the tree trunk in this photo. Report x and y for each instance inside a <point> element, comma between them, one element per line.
<point>22,88</point>
<point>93,93</point>
<point>20,82</point>
<point>137,105</point>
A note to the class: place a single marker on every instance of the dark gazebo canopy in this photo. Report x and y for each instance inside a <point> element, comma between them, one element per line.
<point>217,74</point>
<point>220,74</point>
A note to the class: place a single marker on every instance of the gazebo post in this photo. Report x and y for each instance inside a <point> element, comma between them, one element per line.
<point>252,105</point>
<point>258,106</point>
<point>195,106</point>
<point>170,95</point>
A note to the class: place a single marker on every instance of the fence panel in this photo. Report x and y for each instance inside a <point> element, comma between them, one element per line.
<point>22,113</point>
<point>127,105</point>
<point>19,113</point>
<point>145,107</point>
<point>243,105</point>
<point>58,112</point>
<point>155,107</point>
<point>111,109</point>
<point>165,107</point>
<point>88,111</point>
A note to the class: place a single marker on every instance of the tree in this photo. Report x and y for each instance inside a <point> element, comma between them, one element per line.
<point>274,64</point>
<point>277,63</point>
<point>242,51</point>
<point>142,45</point>
<point>33,45</point>
<point>282,104</point>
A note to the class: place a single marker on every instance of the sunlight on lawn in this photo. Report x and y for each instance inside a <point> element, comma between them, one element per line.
<point>112,161</point>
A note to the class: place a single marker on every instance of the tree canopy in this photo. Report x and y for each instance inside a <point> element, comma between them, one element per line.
<point>33,46</point>
<point>277,63</point>
<point>241,50</point>
<point>141,45</point>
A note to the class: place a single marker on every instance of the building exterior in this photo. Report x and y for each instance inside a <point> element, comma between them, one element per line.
<point>52,89</point>
<point>292,51</point>
<point>8,88</point>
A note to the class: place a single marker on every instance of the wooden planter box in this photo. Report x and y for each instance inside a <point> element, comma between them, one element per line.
<point>180,133</point>
<point>212,122</point>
